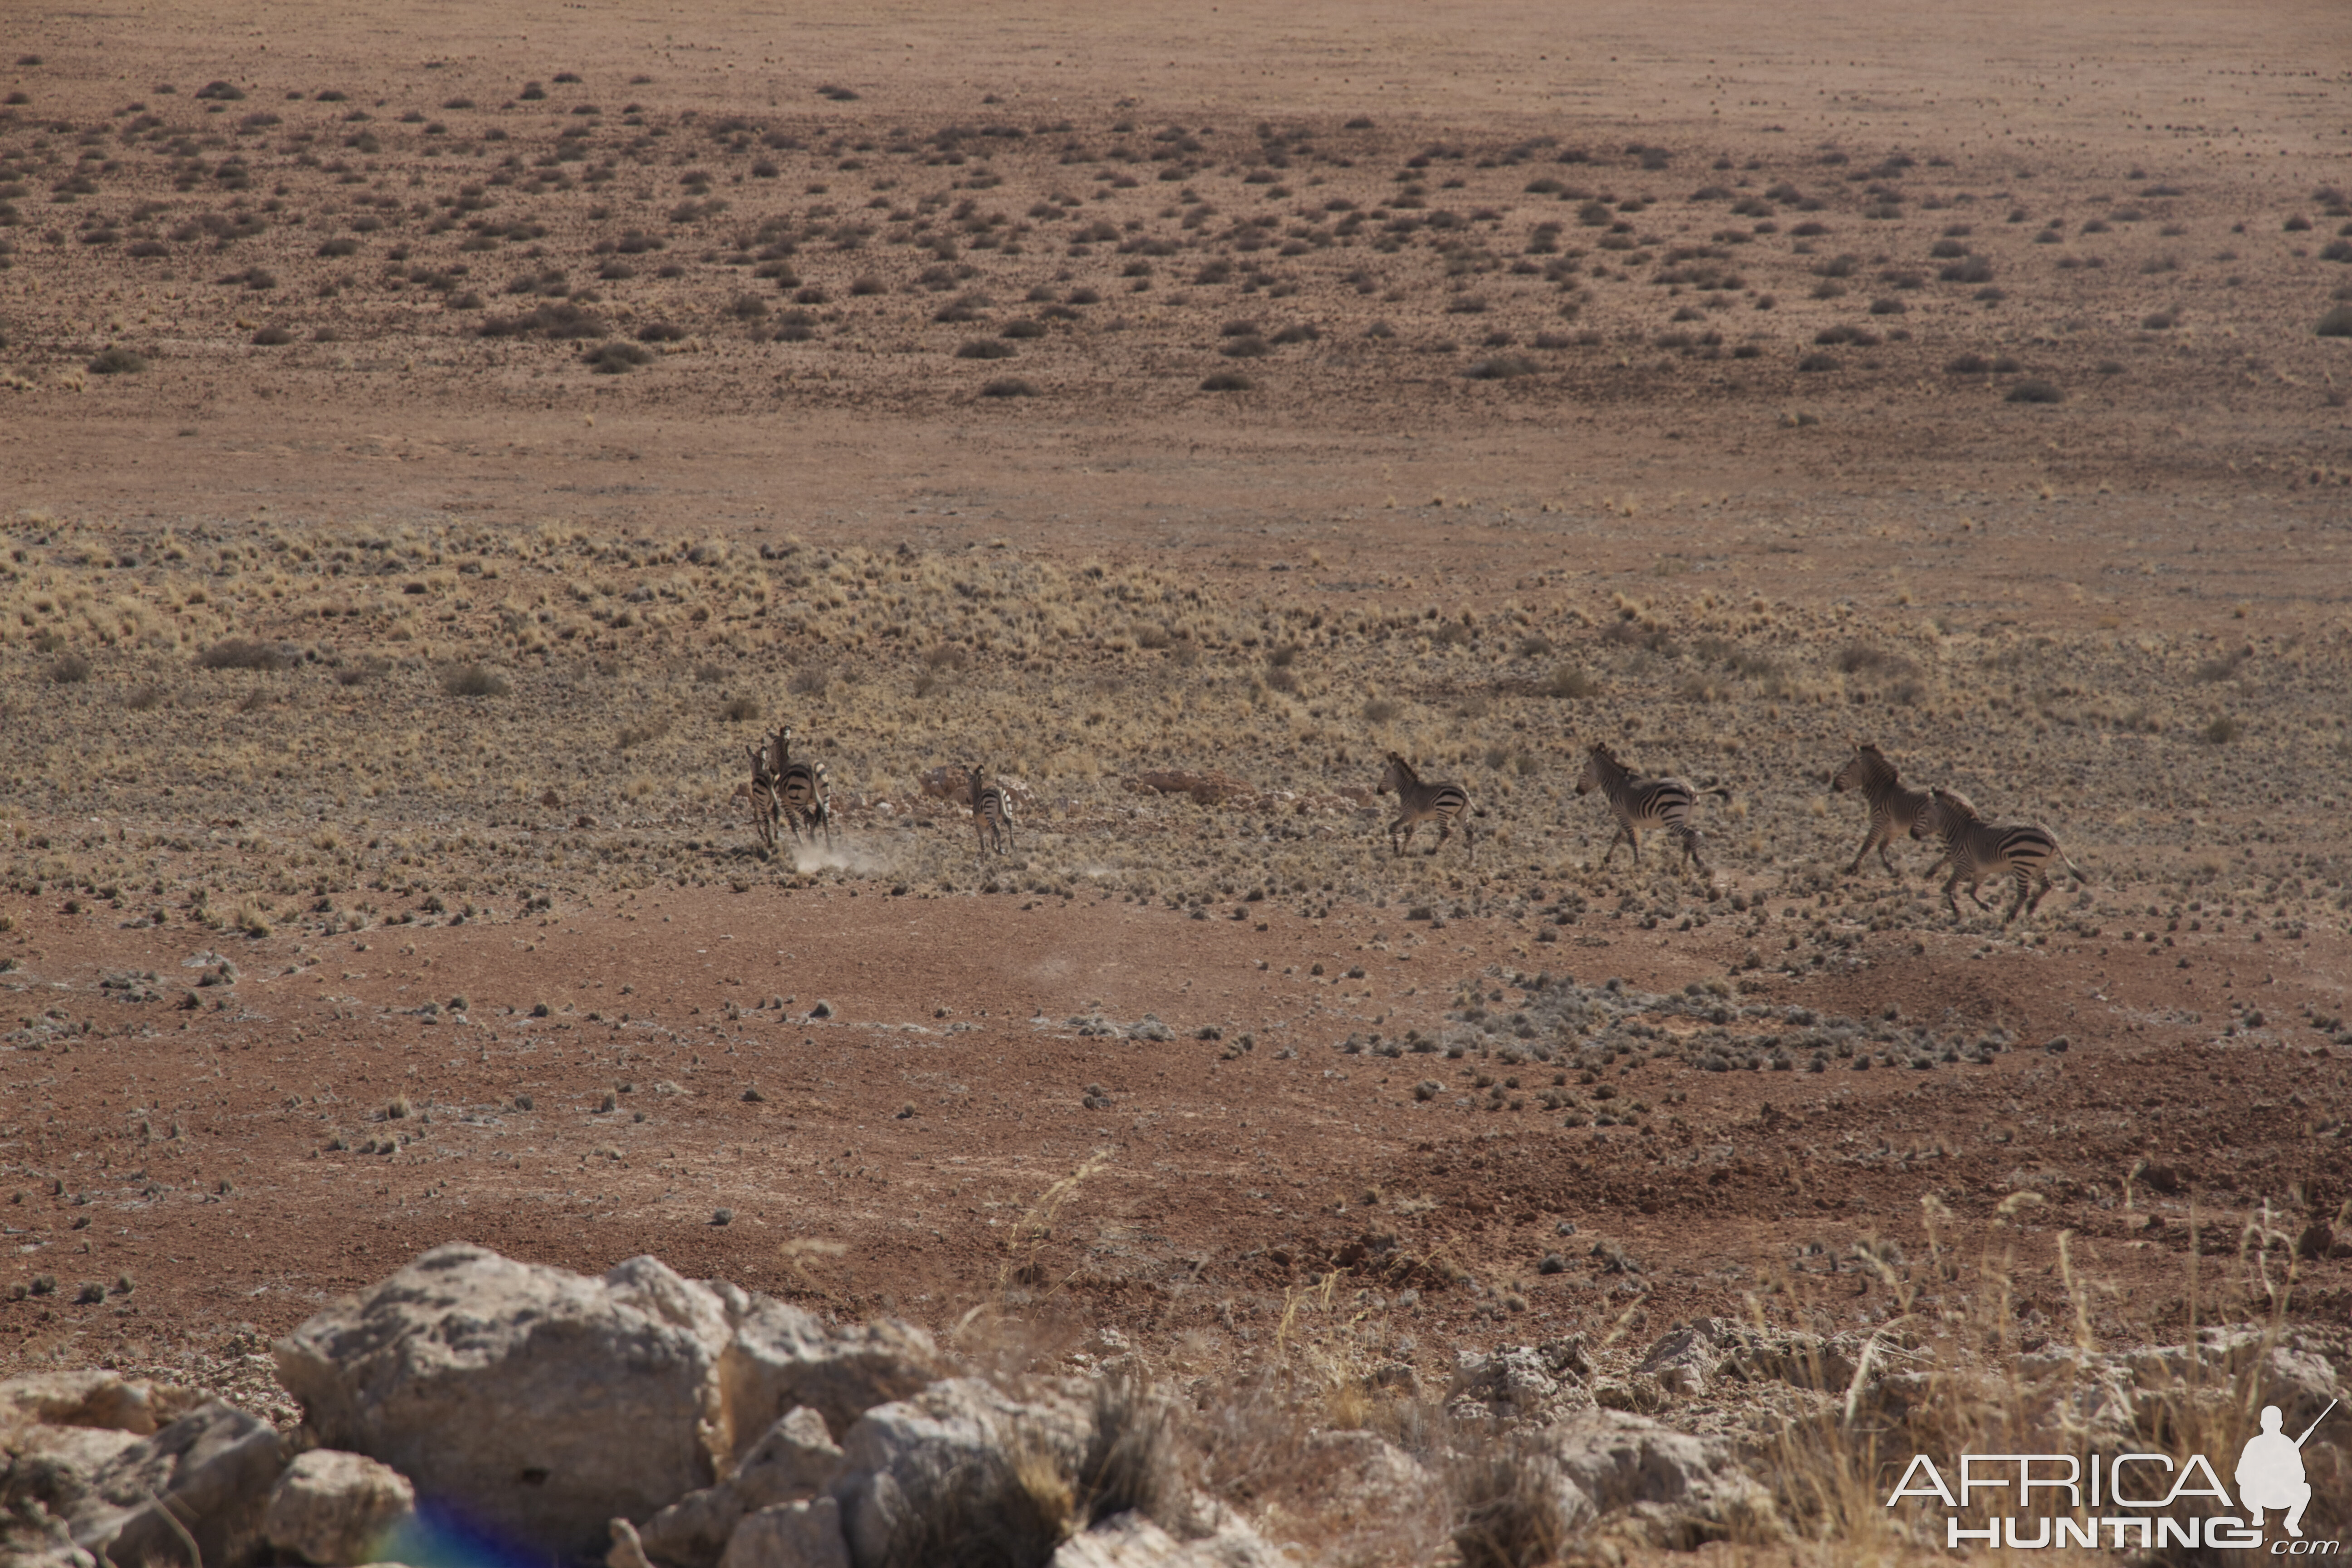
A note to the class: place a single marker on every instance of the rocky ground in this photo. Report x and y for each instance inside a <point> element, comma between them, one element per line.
<point>428,475</point>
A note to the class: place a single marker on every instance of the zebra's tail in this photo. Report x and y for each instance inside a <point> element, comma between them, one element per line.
<point>1717,789</point>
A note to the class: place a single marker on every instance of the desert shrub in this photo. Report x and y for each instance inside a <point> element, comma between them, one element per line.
<point>248,653</point>
<point>474,680</point>
<point>1567,681</point>
<point>70,670</point>
<point>144,699</point>
<point>645,729</point>
<point>616,357</point>
<point>1249,347</point>
<point>1007,386</point>
<point>2158,320</point>
<point>1023,329</point>
<point>117,360</point>
<point>1381,710</point>
<point>985,348</point>
<point>1888,307</point>
<point>1968,269</point>
<point>2337,323</point>
<point>1869,659</point>
<point>1226,380</point>
<point>1812,364</point>
<point>660,332</point>
<point>740,710</point>
<point>809,681</point>
<point>1502,367</point>
<point>1969,364</point>
<point>1507,1509</point>
<point>271,336</point>
<point>2222,731</point>
<point>2035,389</point>
<point>554,319</point>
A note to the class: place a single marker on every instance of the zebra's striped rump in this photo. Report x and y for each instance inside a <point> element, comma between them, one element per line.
<point>2021,851</point>
<point>1418,803</point>
<point>991,813</point>
<point>1894,807</point>
<point>1638,803</point>
<point>802,790</point>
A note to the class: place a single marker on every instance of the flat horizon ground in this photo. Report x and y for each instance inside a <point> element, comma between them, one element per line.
<point>437,448</point>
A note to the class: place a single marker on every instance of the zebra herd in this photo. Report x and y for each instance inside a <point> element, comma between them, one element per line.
<point>2020,853</point>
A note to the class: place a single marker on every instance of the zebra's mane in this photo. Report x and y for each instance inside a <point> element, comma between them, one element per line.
<point>1404,767</point>
<point>1953,797</point>
<point>1876,768</point>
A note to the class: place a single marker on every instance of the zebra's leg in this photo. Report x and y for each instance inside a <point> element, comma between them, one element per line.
<point>1470,841</point>
<point>1948,890</point>
<point>2022,879</point>
<point>1396,845</point>
<point>1444,832</point>
<point>2042,887</point>
<point>1886,838</point>
<point>1976,898</point>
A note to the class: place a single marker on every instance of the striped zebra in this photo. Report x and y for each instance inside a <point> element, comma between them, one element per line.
<point>1639,803</point>
<point>2021,851</point>
<point>763,798</point>
<point>801,788</point>
<point>1418,802</point>
<point>1894,806</point>
<point>991,813</point>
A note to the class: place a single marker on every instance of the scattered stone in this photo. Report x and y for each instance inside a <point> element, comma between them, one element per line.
<point>209,1474</point>
<point>790,1462</point>
<point>333,1507</point>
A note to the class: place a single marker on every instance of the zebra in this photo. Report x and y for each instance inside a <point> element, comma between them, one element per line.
<point>763,798</point>
<point>991,813</point>
<point>801,788</point>
<point>1418,802</point>
<point>1640,803</point>
<point>2021,851</point>
<point>1893,805</point>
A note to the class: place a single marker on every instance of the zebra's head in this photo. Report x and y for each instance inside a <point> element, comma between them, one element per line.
<point>1599,762</point>
<point>1946,812</point>
<point>1866,765</point>
<point>759,762</point>
<point>1398,775</point>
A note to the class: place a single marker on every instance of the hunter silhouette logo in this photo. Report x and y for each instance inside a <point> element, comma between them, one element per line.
<point>2269,1471</point>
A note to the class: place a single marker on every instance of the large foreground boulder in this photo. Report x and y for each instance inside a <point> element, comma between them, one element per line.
<point>533,1406</point>
<point>791,1463</point>
<point>960,1458</point>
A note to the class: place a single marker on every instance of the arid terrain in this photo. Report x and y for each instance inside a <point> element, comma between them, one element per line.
<point>1175,412</point>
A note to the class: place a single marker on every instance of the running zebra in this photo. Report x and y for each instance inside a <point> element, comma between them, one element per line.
<point>801,788</point>
<point>2021,851</point>
<point>1418,802</point>
<point>763,798</point>
<point>991,813</point>
<point>1893,805</point>
<point>1639,803</point>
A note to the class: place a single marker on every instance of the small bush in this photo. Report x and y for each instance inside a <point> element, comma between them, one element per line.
<point>637,735</point>
<point>1008,386</point>
<point>70,670</point>
<point>1968,269</point>
<point>1969,364</point>
<point>272,337</point>
<point>1226,380</point>
<point>1567,681</point>
<point>117,360</point>
<point>2033,389</point>
<point>1249,347</point>
<point>1507,1505</point>
<point>810,680</point>
<point>1812,364</point>
<point>616,357</point>
<point>740,710</point>
<point>660,332</point>
<point>248,653</point>
<point>1502,367</point>
<point>474,680</point>
<point>2337,323</point>
<point>2222,731</point>
<point>1380,711</point>
<point>985,348</point>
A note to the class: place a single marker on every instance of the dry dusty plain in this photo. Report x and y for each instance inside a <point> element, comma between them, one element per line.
<point>437,442</point>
